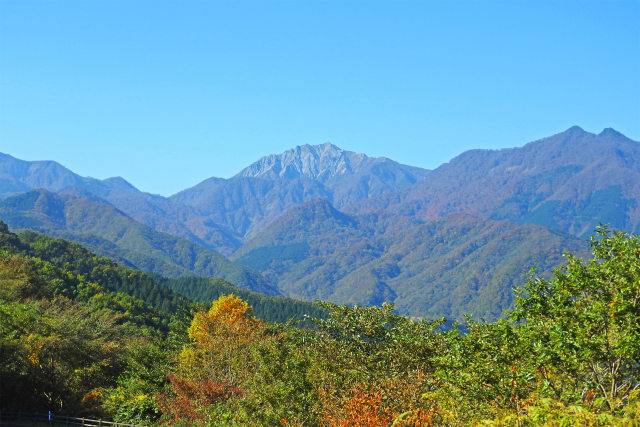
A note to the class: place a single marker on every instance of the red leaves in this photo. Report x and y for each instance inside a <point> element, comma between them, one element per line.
<point>193,395</point>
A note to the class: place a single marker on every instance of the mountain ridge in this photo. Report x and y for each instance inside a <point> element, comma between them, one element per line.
<point>357,227</point>
<point>523,183</point>
<point>322,162</point>
<point>258,194</point>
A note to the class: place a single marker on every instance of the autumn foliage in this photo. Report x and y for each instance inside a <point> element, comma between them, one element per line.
<point>363,407</point>
<point>209,369</point>
<point>566,355</point>
<point>191,396</point>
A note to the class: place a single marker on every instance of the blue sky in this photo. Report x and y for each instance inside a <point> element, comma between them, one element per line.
<point>166,94</point>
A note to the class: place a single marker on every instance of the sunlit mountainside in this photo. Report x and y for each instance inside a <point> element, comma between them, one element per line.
<point>319,222</point>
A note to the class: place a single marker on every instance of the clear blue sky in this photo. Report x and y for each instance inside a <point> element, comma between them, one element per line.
<point>166,94</point>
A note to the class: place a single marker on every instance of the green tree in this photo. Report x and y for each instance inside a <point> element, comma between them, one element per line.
<point>372,365</point>
<point>481,370</point>
<point>583,325</point>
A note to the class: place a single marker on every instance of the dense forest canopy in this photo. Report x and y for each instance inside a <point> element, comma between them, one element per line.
<point>83,336</point>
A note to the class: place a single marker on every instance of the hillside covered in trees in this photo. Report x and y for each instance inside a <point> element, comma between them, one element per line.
<point>81,335</point>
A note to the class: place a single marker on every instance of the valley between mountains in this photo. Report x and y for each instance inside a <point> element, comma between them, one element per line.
<point>319,222</point>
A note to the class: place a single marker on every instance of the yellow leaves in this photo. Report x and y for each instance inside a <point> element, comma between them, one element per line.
<point>220,340</point>
<point>33,358</point>
<point>229,308</point>
<point>200,330</point>
<point>187,355</point>
<point>228,314</point>
<point>35,344</point>
<point>417,417</point>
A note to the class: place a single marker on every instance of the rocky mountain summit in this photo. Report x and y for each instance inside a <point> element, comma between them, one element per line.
<point>263,191</point>
<point>324,163</point>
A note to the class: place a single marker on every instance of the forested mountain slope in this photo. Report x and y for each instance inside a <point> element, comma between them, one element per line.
<point>371,238</point>
<point>451,266</point>
<point>76,329</point>
<point>109,231</point>
<point>64,333</point>
<point>570,181</point>
<point>164,294</point>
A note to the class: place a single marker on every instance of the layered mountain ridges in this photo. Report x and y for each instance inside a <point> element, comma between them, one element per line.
<point>321,222</point>
<point>259,194</point>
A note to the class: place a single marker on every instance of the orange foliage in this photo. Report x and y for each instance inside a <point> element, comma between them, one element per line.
<point>363,408</point>
<point>394,402</point>
<point>192,395</point>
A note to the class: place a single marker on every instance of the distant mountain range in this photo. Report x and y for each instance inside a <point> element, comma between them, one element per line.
<point>322,222</point>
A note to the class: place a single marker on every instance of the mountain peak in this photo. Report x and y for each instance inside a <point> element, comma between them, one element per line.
<point>118,182</point>
<point>575,129</point>
<point>312,161</point>
<point>572,133</point>
<point>611,132</point>
<point>326,147</point>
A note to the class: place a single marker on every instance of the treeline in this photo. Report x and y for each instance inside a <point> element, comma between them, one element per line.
<point>567,354</point>
<point>167,295</point>
<point>273,309</point>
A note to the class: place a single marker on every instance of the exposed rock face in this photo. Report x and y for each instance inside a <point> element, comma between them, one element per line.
<point>320,162</point>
